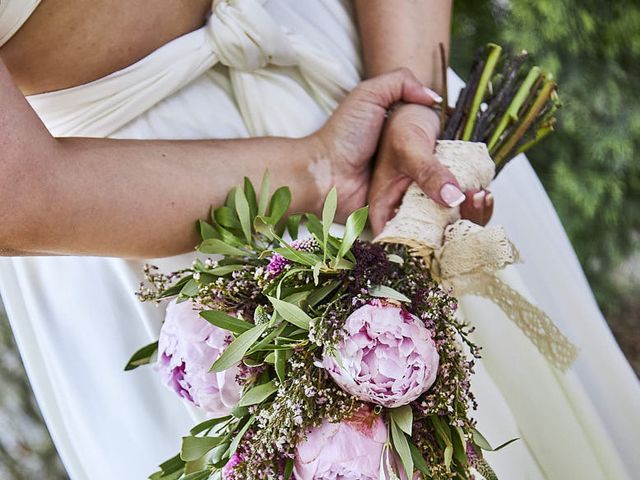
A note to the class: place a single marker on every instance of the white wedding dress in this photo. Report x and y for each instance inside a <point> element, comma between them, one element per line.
<point>279,67</point>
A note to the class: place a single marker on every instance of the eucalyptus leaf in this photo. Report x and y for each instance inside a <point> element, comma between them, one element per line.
<point>401,446</point>
<point>244,213</point>
<point>403,417</point>
<point>144,356</point>
<point>265,188</point>
<point>279,204</point>
<point>352,229</point>
<point>258,394</point>
<point>383,291</point>
<point>291,313</point>
<point>303,258</point>
<point>235,351</point>
<point>268,339</point>
<point>217,246</point>
<point>226,322</point>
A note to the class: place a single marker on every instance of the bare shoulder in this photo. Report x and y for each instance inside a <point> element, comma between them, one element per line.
<point>70,42</point>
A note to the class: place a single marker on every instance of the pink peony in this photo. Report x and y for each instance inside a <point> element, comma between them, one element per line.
<point>387,356</point>
<point>187,348</point>
<point>348,450</point>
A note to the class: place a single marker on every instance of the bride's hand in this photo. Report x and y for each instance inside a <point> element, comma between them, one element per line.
<point>348,141</point>
<point>406,155</point>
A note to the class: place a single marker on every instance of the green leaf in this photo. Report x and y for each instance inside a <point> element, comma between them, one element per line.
<point>244,213</point>
<point>264,343</point>
<point>236,350</point>
<point>226,217</point>
<point>258,394</point>
<point>265,187</point>
<point>208,424</point>
<point>250,194</point>
<point>448,456</point>
<point>418,460</point>
<point>240,434</point>
<point>144,356</point>
<point>352,229</point>
<point>304,258</point>
<point>173,465</point>
<point>319,294</point>
<point>227,236</point>
<point>403,417</point>
<point>314,225</point>
<point>206,230</point>
<point>382,291</point>
<point>226,322</point>
<point>401,446</point>
<point>281,364</point>
<point>291,313</point>
<point>328,214</point>
<point>288,469</point>
<point>223,270</point>
<point>279,204</point>
<point>190,289</point>
<point>293,225</point>
<point>195,447</point>
<point>201,475</point>
<point>484,444</point>
<point>176,287</point>
<point>216,246</point>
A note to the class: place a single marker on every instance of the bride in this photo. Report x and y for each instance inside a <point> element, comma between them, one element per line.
<point>139,115</point>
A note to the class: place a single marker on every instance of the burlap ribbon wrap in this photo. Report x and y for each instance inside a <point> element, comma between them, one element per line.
<point>465,257</point>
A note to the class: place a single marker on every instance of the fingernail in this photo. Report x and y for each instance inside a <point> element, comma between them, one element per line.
<point>436,98</point>
<point>478,199</point>
<point>451,195</point>
<point>489,199</point>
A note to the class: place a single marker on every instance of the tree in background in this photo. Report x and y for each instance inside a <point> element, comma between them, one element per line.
<point>588,166</point>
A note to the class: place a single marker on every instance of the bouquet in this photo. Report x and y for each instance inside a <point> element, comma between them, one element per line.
<point>318,355</point>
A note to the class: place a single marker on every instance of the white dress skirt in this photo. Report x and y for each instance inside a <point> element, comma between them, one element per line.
<point>279,67</point>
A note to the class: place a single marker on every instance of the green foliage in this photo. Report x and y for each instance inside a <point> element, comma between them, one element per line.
<point>588,166</point>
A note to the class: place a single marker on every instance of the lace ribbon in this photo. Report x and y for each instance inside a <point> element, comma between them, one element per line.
<point>465,257</point>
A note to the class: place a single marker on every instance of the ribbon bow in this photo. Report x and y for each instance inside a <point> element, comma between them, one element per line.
<point>467,263</point>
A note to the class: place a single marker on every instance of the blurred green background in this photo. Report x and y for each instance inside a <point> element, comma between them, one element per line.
<point>588,166</point>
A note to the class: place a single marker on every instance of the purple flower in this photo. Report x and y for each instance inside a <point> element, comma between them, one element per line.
<point>187,348</point>
<point>386,356</point>
<point>350,449</point>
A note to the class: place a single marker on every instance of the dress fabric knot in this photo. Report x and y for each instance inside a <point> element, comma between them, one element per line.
<point>245,36</point>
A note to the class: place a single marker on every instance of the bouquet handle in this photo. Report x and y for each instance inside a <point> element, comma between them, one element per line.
<point>465,257</point>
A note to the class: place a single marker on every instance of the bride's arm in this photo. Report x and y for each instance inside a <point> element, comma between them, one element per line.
<point>407,33</point>
<point>136,198</point>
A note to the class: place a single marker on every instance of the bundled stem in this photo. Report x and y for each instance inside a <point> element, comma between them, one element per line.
<point>505,104</point>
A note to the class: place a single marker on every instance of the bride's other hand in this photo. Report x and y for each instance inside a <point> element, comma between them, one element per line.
<point>349,139</point>
<point>406,154</point>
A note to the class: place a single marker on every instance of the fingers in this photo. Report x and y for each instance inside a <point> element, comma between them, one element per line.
<point>384,199</point>
<point>396,86</point>
<point>478,207</point>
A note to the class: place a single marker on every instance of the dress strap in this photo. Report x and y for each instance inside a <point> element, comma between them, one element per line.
<point>240,34</point>
<point>13,14</point>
